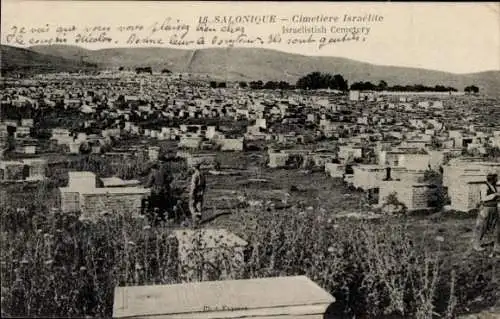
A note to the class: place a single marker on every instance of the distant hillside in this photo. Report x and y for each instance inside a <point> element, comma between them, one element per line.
<point>265,64</point>
<point>18,60</point>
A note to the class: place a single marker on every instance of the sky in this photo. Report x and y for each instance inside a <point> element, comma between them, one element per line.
<point>452,37</point>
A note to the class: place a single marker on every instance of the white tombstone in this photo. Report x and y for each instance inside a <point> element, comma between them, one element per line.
<point>280,297</point>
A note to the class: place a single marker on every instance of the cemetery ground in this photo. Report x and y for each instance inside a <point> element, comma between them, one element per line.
<point>392,266</point>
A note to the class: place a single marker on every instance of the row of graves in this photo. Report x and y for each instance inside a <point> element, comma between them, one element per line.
<point>420,180</point>
<point>196,137</point>
<point>299,158</point>
<point>23,170</point>
<point>461,180</point>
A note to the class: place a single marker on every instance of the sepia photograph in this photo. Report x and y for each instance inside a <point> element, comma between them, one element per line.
<point>249,159</point>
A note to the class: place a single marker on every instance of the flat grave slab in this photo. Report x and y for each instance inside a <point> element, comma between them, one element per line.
<point>279,297</point>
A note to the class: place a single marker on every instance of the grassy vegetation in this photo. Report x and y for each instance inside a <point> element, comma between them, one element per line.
<point>56,264</point>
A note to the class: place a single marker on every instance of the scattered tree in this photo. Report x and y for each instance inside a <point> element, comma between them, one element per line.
<point>147,69</point>
<point>270,85</point>
<point>363,86</point>
<point>284,85</point>
<point>256,85</point>
<point>243,84</point>
<point>471,89</point>
<point>382,86</point>
<point>318,80</point>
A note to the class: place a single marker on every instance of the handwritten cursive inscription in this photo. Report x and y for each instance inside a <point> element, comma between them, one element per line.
<point>320,31</point>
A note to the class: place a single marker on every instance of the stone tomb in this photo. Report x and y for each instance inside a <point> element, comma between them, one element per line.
<point>82,194</point>
<point>465,192</point>
<point>452,173</point>
<point>415,196</point>
<point>28,169</point>
<point>280,297</point>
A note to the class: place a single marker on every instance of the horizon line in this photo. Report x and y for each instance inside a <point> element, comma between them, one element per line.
<point>244,48</point>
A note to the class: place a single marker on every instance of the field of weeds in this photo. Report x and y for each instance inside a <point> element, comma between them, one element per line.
<point>56,264</point>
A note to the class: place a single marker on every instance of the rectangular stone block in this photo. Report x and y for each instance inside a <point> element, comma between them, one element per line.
<point>280,297</point>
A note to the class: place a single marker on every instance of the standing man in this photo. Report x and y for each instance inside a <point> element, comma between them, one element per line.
<point>159,183</point>
<point>488,208</point>
<point>196,193</point>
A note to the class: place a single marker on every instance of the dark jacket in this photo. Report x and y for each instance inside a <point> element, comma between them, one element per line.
<point>159,181</point>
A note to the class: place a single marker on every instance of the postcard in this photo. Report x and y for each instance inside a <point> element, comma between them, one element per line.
<point>239,159</point>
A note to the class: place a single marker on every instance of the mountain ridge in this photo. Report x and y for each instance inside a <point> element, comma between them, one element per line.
<point>49,48</point>
<point>22,60</point>
<point>261,64</point>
